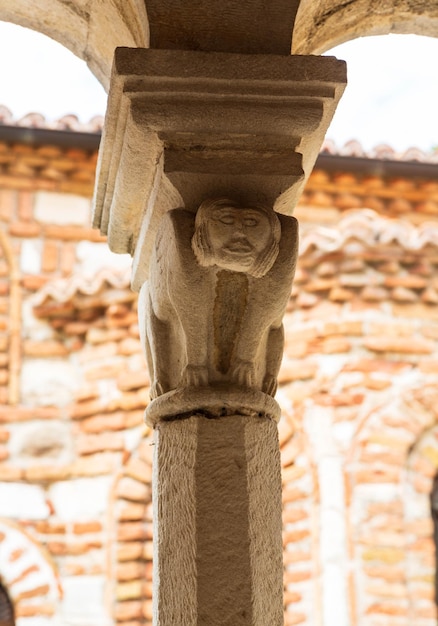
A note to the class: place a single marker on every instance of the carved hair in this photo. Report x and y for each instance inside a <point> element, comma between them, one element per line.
<point>201,242</point>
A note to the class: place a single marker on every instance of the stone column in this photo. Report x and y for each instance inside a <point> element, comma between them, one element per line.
<point>202,160</point>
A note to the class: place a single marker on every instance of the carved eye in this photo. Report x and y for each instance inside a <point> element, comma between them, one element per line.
<point>250,221</point>
<point>227,219</point>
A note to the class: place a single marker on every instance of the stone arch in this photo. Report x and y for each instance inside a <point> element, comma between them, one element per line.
<point>90,30</point>
<point>10,305</point>
<point>28,574</point>
<point>381,496</point>
<point>320,26</point>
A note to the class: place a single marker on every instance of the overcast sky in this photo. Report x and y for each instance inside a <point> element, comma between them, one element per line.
<point>392,96</point>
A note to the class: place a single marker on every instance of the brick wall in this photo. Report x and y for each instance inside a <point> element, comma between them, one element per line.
<point>358,434</point>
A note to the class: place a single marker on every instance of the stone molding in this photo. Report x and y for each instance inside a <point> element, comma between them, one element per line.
<point>183,126</point>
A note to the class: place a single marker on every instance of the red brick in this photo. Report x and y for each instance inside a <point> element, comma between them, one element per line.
<point>402,345</point>
<point>132,512</point>
<point>130,570</point>
<point>48,348</point>
<point>50,528</point>
<point>4,436</point>
<point>58,548</point>
<point>376,365</point>
<point>428,367</point>
<point>96,465</point>
<point>20,413</point>
<point>293,619</point>
<point>42,590</point>
<point>34,610</point>
<point>72,233</point>
<point>139,470</point>
<point>387,572</point>
<point>410,281</point>
<point>90,444</point>
<point>25,205</point>
<point>46,473</point>
<point>294,494</point>
<point>85,409</point>
<point>24,229</point>
<point>378,476</point>
<point>387,609</point>
<point>130,489</point>
<point>297,370</point>
<point>146,609</point>
<point>129,380</point>
<point>134,531</point>
<point>23,574</point>
<point>294,536</point>
<point>128,611</point>
<point>291,516</point>
<point>10,474</point>
<point>100,423</point>
<point>68,258</point>
<point>33,282</point>
<point>82,528</point>
<point>296,556</point>
<point>129,551</point>
<point>296,577</point>
<point>8,203</point>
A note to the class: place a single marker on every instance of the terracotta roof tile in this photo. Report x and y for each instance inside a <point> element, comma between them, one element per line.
<point>363,259</point>
<point>37,120</point>
<point>369,229</point>
<point>63,289</point>
<point>353,148</point>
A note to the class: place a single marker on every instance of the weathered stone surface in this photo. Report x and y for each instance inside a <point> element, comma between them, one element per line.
<point>226,509</point>
<point>233,26</point>
<point>323,25</point>
<point>228,257</point>
<point>173,168</point>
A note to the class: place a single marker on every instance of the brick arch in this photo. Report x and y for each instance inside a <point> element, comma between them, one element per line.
<point>320,26</point>
<point>10,304</point>
<point>131,551</point>
<point>381,470</point>
<point>421,468</point>
<point>84,29</point>
<point>28,574</point>
<point>300,502</point>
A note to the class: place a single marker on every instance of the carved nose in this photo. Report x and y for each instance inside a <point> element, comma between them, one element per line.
<point>240,227</point>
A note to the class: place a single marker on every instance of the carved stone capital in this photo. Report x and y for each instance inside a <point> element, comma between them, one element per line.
<point>211,312</point>
<point>183,126</point>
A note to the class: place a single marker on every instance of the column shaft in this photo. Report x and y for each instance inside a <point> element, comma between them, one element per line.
<point>217,498</point>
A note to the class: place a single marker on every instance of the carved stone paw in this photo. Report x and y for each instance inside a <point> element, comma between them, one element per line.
<point>194,376</point>
<point>270,385</point>
<point>157,389</point>
<point>244,374</point>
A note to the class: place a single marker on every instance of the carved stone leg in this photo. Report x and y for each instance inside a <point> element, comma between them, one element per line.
<point>217,499</point>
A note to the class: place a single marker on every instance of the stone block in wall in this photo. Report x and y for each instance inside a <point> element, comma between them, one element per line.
<point>81,499</point>
<point>21,501</point>
<point>30,257</point>
<point>61,209</point>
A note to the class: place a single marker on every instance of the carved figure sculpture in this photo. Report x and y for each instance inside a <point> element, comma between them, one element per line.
<point>212,308</point>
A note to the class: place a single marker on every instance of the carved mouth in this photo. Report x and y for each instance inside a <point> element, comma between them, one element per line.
<point>239,247</point>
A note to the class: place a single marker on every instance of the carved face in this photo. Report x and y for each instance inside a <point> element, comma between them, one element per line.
<point>238,236</point>
<point>238,239</point>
